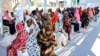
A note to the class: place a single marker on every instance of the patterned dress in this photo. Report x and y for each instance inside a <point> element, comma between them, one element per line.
<point>31,43</point>
<point>19,42</point>
<point>67,25</point>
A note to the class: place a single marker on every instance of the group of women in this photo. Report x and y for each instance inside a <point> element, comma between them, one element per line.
<point>35,30</point>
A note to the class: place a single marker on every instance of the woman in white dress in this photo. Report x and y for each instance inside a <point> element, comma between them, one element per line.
<point>60,34</point>
<point>31,44</point>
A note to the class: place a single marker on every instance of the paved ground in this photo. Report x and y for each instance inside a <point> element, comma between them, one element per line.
<point>85,43</point>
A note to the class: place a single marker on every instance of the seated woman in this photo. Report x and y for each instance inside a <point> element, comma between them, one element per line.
<point>31,43</point>
<point>8,21</point>
<point>46,39</point>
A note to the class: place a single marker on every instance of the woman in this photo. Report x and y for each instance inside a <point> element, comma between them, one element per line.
<point>90,14</point>
<point>67,24</point>
<point>7,21</point>
<point>84,19</point>
<point>31,43</point>
<point>50,13</point>
<point>54,19</point>
<point>46,39</point>
<point>60,34</point>
<point>20,40</point>
<point>77,19</point>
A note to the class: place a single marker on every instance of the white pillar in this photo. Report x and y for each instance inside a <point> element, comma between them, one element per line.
<point>28,5</point>
<point>65,3</point>
<point>1,25</point>
<point>57,3</point>
<point>45,6</point>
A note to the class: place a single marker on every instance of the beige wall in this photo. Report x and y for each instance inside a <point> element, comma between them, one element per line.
<point>7,5</point>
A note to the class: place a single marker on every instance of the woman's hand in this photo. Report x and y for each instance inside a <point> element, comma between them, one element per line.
<point>31,31</point>
<point>11,22</point>
<point>54,42</point>
<point>22,49</point>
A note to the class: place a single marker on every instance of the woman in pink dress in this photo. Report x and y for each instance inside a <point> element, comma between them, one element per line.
<point>19,42</point>
<point>77,19</point>
<point>8,21</point>
<point>90,14</point>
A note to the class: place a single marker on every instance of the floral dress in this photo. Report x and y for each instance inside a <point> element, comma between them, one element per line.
<point>19,42</point>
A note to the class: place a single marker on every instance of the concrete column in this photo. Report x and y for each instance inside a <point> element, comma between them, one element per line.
<point>1,25</point>
<point>57,3</point>
<point>65,3</point>
<point>45,6</point>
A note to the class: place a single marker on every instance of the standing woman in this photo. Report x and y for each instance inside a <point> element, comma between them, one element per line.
<point>54,19</point>
<point>20,40</point>
<point>67,24</point>
<point>84,19</point>
<point>31,42</point>
<point>90,14</point>
<point>46,39</point>
<point>77,19</point>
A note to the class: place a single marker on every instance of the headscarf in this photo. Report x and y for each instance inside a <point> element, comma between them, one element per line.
<point>6,16</point>
<point>19,14</point>
<point>76,15</point>
<point>33,25</point>
<point>90,13</point>
<point>27,18</point>
<point>26,27</point>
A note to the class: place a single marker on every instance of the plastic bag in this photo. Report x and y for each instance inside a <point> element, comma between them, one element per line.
<point>20,53</point>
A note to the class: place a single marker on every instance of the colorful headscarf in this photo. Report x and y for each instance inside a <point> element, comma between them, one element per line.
<point>6,16</point>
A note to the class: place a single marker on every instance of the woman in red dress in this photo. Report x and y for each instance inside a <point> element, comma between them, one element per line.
<point>19,42</point>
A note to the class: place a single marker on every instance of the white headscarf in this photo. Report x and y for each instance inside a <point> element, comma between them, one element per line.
<point>28,18</point>
<point>19,14</point>
<point>33,26</point>
<point>26,27</point>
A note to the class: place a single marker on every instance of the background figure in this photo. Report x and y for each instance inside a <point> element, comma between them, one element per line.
<point>90,14</point>
<point>77,19</point>
<point>67,25</point>
<point>84,19</point>
<point>60,35</point>
<point>8,21</point>
<point>96,13</point>
<point>54,19</point>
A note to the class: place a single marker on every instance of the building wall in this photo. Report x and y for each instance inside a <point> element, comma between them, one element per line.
<point>7,5</point>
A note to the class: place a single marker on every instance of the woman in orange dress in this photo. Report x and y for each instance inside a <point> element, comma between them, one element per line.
<point>54,19</point>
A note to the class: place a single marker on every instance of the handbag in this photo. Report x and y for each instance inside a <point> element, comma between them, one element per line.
<point>20,53</point>
<point>73,20</point>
